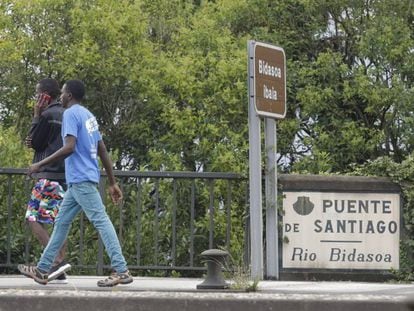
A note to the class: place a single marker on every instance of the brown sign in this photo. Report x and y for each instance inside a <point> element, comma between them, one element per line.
<point>270,80</point>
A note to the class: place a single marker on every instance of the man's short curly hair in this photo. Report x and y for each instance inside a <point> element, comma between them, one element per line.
<point>76,87</point>
<point>50,86</point>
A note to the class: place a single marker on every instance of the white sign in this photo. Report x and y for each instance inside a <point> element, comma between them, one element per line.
<point>323,230</point>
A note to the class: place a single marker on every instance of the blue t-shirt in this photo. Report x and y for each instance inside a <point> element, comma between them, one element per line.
<point>82,164</point>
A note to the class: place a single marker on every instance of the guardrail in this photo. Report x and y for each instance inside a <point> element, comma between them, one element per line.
<point>164,223</point>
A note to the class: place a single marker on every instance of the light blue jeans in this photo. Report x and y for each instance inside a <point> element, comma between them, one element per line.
<point>83,196</point>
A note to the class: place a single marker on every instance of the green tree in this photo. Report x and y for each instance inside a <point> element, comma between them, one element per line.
<point>167,79</point>
<point>13,153</point>
<point>355,95</point>
<point>14,192</point>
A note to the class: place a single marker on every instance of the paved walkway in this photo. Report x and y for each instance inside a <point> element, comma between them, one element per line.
<point>88,283</point>
<point>147,293</point>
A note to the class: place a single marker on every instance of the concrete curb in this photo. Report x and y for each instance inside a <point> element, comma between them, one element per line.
<point>189,301</point>
<point>180,294</point>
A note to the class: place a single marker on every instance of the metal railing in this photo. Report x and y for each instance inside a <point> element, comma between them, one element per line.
<point>164,223</point>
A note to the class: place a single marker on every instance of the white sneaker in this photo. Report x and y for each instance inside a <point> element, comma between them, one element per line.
<point>61,279</point>
<point>59,270</point>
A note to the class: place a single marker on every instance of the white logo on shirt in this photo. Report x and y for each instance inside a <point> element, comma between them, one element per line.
<point>91,125</point>
<point>93,152</point>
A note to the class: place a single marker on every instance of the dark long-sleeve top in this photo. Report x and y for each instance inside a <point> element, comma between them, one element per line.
<point>47,139</point>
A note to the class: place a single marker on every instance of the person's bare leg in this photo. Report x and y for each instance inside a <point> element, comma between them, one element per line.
<point>42,236</point>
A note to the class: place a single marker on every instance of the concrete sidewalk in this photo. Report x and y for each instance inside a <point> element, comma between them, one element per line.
<point>81,293</point>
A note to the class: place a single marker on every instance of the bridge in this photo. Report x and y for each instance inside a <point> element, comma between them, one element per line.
<point>162,196</point>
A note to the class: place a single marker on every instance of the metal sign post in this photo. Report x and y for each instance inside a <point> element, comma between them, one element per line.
<point>255,179</point>
<point>272,236</point>
<point>267,98</point>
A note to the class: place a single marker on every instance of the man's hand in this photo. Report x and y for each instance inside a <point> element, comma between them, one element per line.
<point>42,102</point>
<point>28,142</point>
<point>116,193</point>
<point>34,168</point>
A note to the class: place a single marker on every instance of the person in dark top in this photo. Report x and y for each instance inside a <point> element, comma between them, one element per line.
<point>47,194</point>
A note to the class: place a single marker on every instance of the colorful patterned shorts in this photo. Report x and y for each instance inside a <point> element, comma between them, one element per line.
<point>45,201</point>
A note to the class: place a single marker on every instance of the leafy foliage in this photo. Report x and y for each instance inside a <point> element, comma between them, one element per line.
<point>167,79</point>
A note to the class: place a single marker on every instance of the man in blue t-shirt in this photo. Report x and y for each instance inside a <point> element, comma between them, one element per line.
<point>82,145</point>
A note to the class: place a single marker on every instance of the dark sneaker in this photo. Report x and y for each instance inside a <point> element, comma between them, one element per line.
<point>116,278</point>
<point>61,279</point>
<point>58,270</point>
<point>34,273</point>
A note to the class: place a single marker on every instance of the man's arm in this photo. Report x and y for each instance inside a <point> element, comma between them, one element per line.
<point>114,190</point>
<point>106,162</point>
<point>65,151</point>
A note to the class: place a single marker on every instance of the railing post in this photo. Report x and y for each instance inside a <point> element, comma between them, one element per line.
<point>100,263</point>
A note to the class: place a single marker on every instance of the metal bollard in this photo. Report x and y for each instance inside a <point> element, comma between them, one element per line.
<point>215,259</point>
